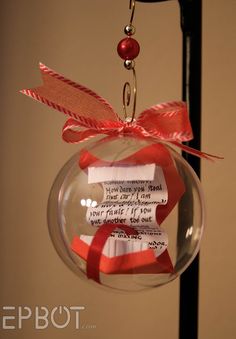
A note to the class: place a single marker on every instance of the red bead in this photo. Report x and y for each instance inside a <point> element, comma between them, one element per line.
<point>128,48</point>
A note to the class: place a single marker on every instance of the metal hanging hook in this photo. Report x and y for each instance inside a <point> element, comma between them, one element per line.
<point>127,96</point>
<point>128,50</point>
<point>132,7</point>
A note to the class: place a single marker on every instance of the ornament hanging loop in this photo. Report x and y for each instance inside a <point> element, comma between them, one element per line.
<point>132,8</point>
<point>128,49</point>
<point>127,97</point>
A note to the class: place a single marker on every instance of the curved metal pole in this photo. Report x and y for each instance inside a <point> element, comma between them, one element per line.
<point>191,93</point>
<point>191,14</point>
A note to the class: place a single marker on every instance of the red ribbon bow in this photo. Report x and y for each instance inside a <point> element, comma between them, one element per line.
<point>91,115</point>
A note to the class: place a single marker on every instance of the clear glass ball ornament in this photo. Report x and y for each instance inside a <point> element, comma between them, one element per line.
<point>72,199</point>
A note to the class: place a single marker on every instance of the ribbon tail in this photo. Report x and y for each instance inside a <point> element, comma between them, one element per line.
<point>195,152</point>
<point>70,98</point>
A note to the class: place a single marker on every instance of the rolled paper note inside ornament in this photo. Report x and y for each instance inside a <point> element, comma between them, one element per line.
<point>156,154</point>
<point>133,203</point>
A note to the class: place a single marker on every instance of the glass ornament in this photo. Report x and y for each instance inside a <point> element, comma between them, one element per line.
<point>72,196</point>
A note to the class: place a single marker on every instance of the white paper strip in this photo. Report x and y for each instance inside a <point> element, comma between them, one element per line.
<point>119,243</point>
<point>114,247</point>
<point>132,215</point>
<point>121,173</point>
<point>153,191</point>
